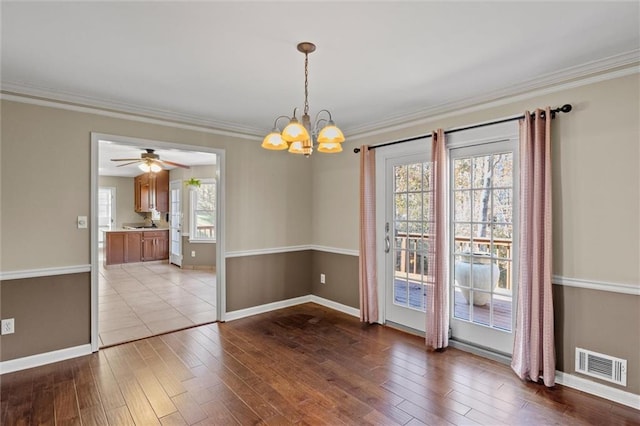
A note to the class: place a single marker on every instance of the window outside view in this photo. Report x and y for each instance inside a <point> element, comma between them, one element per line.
<point>481,242</point>
<point>204,211</point>
<point>482,200</point>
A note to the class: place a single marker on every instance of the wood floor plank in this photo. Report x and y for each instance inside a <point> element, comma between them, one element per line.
<point>65,401</point>
<point>93,416</point>
<point>139,407</point>
<point>189,409</point>
<point>119,416</point>
<point>158,398</point>
<point>304,365</point>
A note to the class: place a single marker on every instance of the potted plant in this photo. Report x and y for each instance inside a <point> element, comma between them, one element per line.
<point>193,182</point>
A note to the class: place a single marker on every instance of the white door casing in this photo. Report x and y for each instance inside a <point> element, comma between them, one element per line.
<point>175,222</point>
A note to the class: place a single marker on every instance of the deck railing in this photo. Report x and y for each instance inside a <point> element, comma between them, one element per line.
<point>411,254</point>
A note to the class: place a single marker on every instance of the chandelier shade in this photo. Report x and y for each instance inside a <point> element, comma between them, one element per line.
<point>295,131</point>
<point>274,141</point>
<point>330,134</point>
<point>299,137</point>
<point>329,148</point>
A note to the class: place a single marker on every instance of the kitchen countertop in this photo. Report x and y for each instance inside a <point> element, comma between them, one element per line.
<point>134,229</point>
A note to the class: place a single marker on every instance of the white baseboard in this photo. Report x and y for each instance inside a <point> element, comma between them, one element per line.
<point>45,358</point>
<point>335,305</point>
<point>603,391</point>
<point>261,309</point>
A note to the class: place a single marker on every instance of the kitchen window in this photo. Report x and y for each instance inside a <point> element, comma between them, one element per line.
<point>203,212</point>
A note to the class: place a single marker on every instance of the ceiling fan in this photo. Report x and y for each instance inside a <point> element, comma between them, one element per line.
<point>149,161</point>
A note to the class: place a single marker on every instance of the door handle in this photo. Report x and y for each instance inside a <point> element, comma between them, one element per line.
<point>387,244</point>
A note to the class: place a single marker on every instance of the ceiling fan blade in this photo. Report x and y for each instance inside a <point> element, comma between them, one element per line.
<point>126,164</point>
<point>171,163</point>
<point>125,159</point>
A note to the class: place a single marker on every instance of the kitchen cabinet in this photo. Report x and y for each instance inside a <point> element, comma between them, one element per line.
<point>136,246</point>
<point>151,192</point>
<point>155,245</point>
<point>123,247</point>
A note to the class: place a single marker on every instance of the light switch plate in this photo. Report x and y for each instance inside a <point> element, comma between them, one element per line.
<point>82,222</point>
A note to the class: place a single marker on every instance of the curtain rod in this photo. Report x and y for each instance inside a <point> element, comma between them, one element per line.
<point>564,108</point>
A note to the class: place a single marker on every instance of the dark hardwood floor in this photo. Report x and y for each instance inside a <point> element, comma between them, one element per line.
<point>300,365</point>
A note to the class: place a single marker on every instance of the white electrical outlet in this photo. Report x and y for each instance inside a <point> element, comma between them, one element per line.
<point>193,253</point>
<point>322,279</point>
<point>8,326</point>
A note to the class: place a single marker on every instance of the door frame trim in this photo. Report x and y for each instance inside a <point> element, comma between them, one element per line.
<point>177,183</point>
<point>220,219</point>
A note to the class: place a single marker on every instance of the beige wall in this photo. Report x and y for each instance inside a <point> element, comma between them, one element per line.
<point>596,180</point>
<point>596,211</point>
<point>45,185</point>
<point>277,200</point>
<point>125,207</point>
<point>45,174</point>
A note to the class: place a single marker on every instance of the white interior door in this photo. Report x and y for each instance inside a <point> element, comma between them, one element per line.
<point>106,211</point>
<point>175,222</point>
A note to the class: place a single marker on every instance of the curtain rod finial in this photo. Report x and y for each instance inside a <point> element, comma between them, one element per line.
<point>356,150</point>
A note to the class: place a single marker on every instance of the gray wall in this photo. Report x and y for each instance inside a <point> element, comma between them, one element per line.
<point>50,313</point>
<point>341,277</point>
<point>261,279</point>
<point>205,254</point>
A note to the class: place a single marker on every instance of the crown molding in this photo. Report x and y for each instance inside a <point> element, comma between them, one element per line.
<point>591,72</point>
<point>25,93</point>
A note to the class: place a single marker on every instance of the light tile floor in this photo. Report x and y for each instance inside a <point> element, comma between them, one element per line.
<point>142,300</point>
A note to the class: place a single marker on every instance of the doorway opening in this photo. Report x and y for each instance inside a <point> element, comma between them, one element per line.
<point>149,274</point>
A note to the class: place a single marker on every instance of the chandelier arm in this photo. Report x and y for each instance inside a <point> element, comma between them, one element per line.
<point>300,135</point>
<point>275,123</point>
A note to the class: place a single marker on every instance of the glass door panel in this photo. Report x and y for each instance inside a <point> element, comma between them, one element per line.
<point>482,245</point>
<point>407,285</point>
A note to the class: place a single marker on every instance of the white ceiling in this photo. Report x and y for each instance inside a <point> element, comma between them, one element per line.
<point>109,150</point>
<point>234,65</point>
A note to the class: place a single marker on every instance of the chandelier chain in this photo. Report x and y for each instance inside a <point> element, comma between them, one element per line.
<point>306,83</point>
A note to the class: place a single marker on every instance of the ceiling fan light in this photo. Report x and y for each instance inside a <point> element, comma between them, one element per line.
<point>155,168</point>
<point>329,147</point>
<point>295,132</point>
<point>144,167</point>
<point>330,134</point>
<point>274,141</point>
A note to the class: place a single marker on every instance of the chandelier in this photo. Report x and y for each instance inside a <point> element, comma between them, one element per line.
<point>300,137</point>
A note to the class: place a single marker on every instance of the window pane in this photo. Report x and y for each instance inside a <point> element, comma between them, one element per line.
<point>502,205</point>
<point>503,170</point>
<point>415,177</point>
<point>401,207</point>
<point>462,173</point>
<point>461,206</point>
<point>414,203</point>
<point>481,205</point>
<point>400,173</point>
